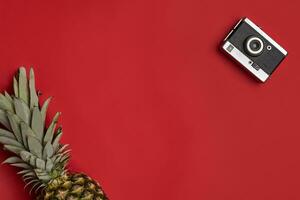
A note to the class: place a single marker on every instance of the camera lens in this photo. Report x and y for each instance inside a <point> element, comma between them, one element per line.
<point>254,46</point>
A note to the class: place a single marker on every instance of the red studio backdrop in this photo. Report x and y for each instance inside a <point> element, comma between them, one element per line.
<point>150,106</point>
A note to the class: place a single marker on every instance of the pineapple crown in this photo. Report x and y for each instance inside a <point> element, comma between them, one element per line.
<point>36,148</point>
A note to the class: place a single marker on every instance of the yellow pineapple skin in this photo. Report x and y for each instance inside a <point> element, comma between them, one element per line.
<point>72,186</point>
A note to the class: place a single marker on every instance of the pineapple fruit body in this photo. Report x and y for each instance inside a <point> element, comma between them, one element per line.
<point>76,186</point>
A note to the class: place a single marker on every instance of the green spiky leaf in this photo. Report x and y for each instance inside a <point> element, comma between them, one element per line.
<point>4,120</point>
<point>13,149</point>
<point>42,175</point>
<point>45,108</point>
<point>40,164</point>
<point>62,148</point>
<point>32,160</point>
<point>6,133</point>
<point>31,182</point>
<point>24,134</point>
<point>8,96</point>
<point>5,104</point>
<point>34,100</point>
<point>48,151</point>
<point>50,131</point>
<point>9,141</point>
<point>36,185</point>
<point>55,143</point>
<point>37,124</point>
<point>22,110</point>
<point>29,174</point>
<point>35,146</point>
<point>16,87</point>
<point>23,85</point>
<point>24,171</point>
<point>12,160</point>
<point>25,155</point>
<point>21,165</point>
<point>64,158</point>
<point>26,130</point>
<point>40,187</point>
<point>49,165</point>
<point>13,120</point>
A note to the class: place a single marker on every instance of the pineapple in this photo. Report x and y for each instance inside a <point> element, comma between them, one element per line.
<point>36,149</point>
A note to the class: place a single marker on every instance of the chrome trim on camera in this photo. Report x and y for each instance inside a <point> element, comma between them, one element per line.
<point>228,35</point>
<point>238,23</point>
<point>245,61</point>
<point>281,49</point>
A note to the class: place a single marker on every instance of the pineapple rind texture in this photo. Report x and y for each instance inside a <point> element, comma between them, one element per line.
<point>38,152</point>
<point>72,187</point>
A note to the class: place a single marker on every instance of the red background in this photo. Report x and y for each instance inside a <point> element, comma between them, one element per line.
<point>150,106</point>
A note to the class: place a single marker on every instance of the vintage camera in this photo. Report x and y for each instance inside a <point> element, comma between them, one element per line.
<point>253,49</point>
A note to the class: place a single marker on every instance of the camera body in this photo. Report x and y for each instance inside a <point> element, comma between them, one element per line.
<point>253,49</point>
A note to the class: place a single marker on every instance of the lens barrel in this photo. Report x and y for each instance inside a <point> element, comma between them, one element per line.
<point>254,46</point>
